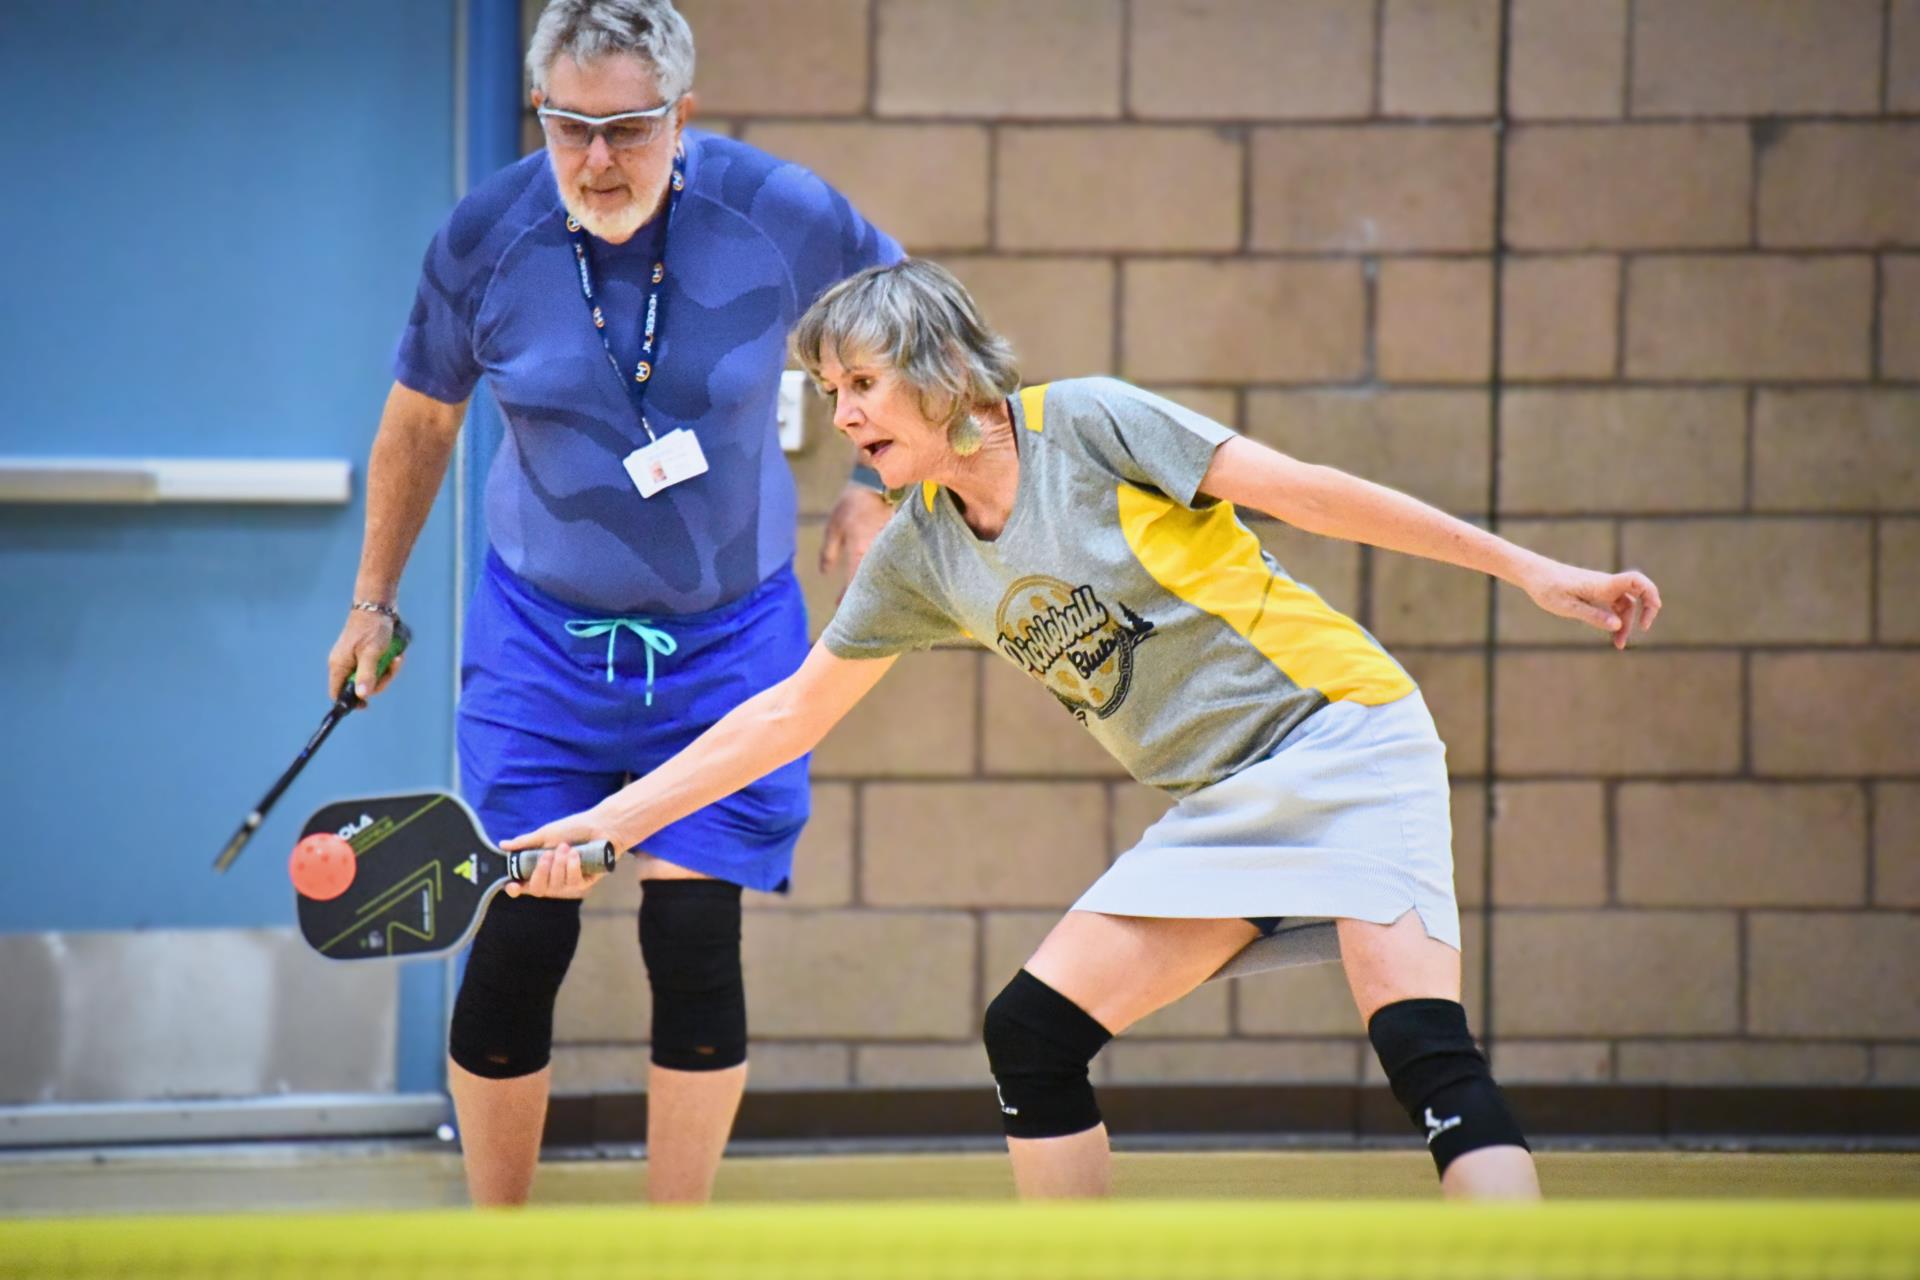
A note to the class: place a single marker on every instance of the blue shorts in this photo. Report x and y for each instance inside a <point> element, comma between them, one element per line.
<point>554,718</point>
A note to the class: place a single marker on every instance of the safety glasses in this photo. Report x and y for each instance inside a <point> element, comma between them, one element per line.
<point>627,131</point>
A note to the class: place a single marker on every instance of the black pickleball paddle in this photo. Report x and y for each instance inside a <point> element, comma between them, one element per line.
<point>421,873</point>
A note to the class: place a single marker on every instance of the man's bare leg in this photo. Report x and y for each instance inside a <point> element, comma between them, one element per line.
<point>689,1117</point>
<point>501,1123</point>
<point>690,1114</point>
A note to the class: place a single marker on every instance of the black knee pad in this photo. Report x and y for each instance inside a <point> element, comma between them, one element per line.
<point>690,939</point>
<point>1039,1044</point>
<point>1438,1074</point>
<point>503,1016</point>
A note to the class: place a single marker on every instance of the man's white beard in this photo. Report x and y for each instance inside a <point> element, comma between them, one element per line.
<point>616,227</point>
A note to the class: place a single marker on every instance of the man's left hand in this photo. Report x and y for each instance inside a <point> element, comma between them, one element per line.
<point>856,519</point>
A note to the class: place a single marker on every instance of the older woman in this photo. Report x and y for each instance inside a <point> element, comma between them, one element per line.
<point>1086,530</point>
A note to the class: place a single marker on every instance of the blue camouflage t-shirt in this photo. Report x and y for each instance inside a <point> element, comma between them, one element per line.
<point>753,241</point>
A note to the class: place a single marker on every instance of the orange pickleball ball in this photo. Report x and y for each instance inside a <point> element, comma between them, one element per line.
<point>322,866</point>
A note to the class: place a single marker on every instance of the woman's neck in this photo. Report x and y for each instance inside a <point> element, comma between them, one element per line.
<point>985,482</point>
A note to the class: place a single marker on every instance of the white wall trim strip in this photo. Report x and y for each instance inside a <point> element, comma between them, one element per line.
<point>139,481</point>
<point>340,1115</point>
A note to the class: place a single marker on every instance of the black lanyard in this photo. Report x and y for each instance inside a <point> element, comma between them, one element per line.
<point>644,370</point>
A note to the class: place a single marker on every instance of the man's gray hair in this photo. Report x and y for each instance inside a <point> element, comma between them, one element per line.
<point>587,29</point>
<point>922,322</point>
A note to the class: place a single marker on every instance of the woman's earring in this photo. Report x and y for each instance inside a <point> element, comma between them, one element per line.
<point>964,437</point>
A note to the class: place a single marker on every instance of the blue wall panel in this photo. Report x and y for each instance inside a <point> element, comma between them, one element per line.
<point>213,219</point>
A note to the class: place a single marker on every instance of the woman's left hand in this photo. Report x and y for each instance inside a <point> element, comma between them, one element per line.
<point>558,873</point>
<point>1612,602</point>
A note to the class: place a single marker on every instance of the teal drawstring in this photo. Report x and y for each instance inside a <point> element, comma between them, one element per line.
<point>652,639</point>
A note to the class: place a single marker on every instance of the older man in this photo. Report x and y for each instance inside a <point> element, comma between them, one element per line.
<point>627,293</point>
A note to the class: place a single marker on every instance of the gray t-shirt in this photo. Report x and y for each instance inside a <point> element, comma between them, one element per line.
<point>1150,612</point>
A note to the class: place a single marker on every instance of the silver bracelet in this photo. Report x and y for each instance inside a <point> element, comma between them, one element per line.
<point>374,606</point>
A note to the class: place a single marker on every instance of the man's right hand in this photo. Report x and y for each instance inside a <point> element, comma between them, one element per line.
<point>357,653</point>
<point>408,463</point>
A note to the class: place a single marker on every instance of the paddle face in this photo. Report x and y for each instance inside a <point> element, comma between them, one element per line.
<point>423,873</point>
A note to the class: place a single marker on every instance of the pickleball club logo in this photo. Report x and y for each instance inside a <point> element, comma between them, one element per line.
<point>1072,642</point>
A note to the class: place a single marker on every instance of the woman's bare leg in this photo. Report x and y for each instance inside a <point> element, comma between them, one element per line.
<point>1389,963</point>
<point>1118,969</point>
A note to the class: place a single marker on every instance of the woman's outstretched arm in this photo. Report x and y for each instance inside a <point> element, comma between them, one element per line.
<point>1334,504</point>
<point>772,728</point>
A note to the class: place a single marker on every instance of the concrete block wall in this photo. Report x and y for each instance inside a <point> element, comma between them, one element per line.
<point>1670,306</point>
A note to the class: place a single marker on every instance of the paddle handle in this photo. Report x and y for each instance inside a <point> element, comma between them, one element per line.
<point>344,704</point>
<point>596,859</point>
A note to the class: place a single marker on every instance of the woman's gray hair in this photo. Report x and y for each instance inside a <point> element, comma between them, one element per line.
<point>589,29</point>
<point>922,322</point>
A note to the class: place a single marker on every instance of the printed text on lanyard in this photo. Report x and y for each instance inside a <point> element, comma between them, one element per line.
<point>663,460</point>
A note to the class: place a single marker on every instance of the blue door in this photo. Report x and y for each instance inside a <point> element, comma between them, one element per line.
<point>213,220</point>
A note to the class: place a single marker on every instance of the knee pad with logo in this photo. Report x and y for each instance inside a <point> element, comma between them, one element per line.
<point>1439,1075</point>
<point>1039,1044</point>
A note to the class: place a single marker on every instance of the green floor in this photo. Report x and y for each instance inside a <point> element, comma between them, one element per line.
<point>320,1178</point>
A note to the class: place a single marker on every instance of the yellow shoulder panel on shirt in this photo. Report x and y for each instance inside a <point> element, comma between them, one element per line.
<point>1208,559</point>
<point>1033,406</point>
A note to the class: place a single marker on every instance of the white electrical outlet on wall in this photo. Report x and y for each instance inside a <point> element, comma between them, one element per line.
<point>791,412</point>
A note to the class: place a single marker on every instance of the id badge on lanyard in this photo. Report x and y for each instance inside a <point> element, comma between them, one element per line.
<point>665,460</point>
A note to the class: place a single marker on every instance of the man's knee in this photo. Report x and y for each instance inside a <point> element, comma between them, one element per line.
<point>690,940</point>
<point>503,1016</point>
<point>1440,1077</point>
<point>1039,1045</point>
